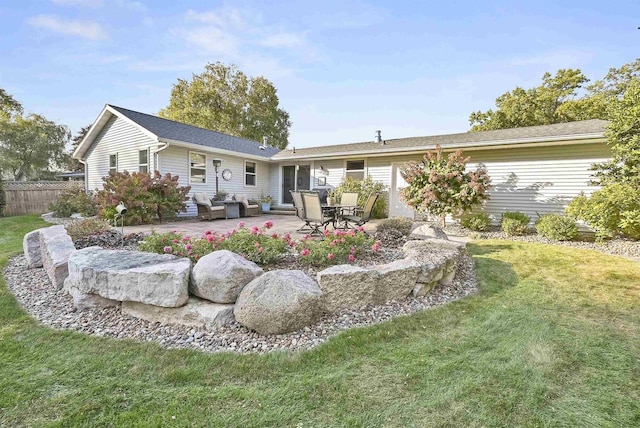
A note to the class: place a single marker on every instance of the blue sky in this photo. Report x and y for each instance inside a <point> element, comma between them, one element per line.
<point>342,69</point>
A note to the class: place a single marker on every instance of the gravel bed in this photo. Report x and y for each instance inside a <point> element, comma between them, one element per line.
<point>32,289</point>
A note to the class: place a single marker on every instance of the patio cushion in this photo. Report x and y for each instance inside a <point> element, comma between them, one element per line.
<point>243,200</point>
<point>201,198</point>
<point>252,206</point>
<point>217,208</point>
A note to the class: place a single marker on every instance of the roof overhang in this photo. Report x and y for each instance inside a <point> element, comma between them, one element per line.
<point>480,145</point>
<point>202,148</point>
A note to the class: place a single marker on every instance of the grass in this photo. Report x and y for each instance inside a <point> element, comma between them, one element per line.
<point>551,339</point>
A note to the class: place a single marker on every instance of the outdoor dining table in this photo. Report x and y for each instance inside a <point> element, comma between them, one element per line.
<point>335,211</point>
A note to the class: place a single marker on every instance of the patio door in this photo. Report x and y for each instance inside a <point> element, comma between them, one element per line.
<point>295,177</point>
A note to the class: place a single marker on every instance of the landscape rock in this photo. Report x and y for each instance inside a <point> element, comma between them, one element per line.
<point>348,287</point>
<point>221,275</point>
<point>396,280</point>
<point>56,248</point>
<point>83,301</point>
<point>31,246</point>
<point>428,231</point>
<point>155,279</point>
<point>197,313</point>
<point>279,301</point>
<point>439,261</point>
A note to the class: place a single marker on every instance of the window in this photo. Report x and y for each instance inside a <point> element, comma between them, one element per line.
<point>249,173</point>
<point>197,167</point>
<point>143,161</point>
<point>113,163</point>
<point>355,169</point>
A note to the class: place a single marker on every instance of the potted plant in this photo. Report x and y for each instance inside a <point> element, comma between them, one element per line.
<point>266,202</point>
<point>221,195</point>
<point>331,199</point>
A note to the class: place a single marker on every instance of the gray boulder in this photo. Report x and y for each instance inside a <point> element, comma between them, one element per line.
<point>427,231</point>
<point>221,275</point>
<point>155,279</point>
<point>31,247</point>
<point>83,301</point>
<point>279,301</point>
<point>56,248</point>
<point>348,287</point>
<point>196,313</point>
<point>439,260</point>
<point>396,280</point>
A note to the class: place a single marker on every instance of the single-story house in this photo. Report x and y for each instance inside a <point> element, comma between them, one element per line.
<point>535,170</point>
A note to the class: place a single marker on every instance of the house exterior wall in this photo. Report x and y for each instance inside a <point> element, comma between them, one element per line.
<point>175,159</point>
<point>117,137</point>
<point>534,180</point>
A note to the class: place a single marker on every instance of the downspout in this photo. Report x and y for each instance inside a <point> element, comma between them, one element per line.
<point>156,158</point>
<point>86,176</point>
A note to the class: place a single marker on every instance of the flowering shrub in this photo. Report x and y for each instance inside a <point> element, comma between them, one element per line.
<point>337,247</point>
<point>440,184</point>
<point>74,200</point>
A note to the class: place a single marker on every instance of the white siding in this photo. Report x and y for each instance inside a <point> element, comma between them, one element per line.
<point>175,160</point>
<point>117,137</point>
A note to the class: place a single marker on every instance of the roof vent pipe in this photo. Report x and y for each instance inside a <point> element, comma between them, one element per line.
<point>265,142</point>
<point>378,137</point>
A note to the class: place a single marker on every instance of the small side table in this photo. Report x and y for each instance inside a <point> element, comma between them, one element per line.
<point>232,209</point>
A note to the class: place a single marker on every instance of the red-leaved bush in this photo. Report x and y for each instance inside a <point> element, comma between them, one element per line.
<point>441,185</point>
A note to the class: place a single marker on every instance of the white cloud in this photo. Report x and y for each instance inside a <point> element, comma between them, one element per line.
<point>89,3</point>
<point>209,39</point>
<point>86,29</point>
<point>285,40</point>
<point>225,17</point>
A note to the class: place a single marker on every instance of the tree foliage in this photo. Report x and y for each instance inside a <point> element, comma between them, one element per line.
<point>224,99</point>
<point>441,185</point>
<point>74,165</point>
<point>8,106</point>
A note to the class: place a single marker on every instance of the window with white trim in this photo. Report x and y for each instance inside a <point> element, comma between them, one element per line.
<point>354,169</point>
<point>197,167</point>
<point>113,163</point>
<point>250,173</point>
<point>143,161</point>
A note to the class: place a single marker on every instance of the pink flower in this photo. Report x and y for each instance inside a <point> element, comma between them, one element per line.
<point>305,237</point>
<point>210,238</point>
<point>352,258</point>
<point>292,244</point>
<point>332,243</point>
<point>256,244</point>
<point>188,246</point>
<point>304,252</point>
<point>240,225</point>
<point>260,249</point>
<point>375,247</point>
<point>330,256</point>
<point>360,229</point>
<point>274,236</point>
<point>326,232</point>
<point>185,239</point>
<point>254,230</point>
<point>175,241</point>
<point>268,224</point>
<point>167,249</point>
<point>343,240</point>
<point>336,232</point>
<point>207,232</point>
<point>352,250</point>
<point>286,237</point>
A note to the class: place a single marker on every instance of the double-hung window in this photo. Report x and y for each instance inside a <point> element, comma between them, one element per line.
<point>355,169</point>
<point>113,163</point>
<point>197,167</point>
<point>143,161</point>
<point>249,173</point>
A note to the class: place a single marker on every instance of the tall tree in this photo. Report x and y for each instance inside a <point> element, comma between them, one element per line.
<point>224,99</point>
<point>72,164</point>
<point>8,106</point>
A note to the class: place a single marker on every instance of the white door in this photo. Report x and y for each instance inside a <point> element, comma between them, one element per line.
<point>397,207</point>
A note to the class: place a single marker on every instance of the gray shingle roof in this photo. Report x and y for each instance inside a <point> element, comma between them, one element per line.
<point>465,139</point>
<point>172,130</point>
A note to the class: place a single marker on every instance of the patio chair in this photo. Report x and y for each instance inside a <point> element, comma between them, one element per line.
<point>248,207</point>
<point>299,207</point>
<point>314,215</point>
<point>350,202</point>
<point>206,210</point>
<point>362,215</point>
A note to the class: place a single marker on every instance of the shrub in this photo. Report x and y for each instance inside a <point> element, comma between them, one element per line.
<point>364,188</point>
<point>479,222</point>
<point>74,200</point>
<point>613,210</point>
<point>402,225</point>
<point>146,197</point>
<point>557,227</point>
<point>441,185</point>
<point>87,227</point>
<point>515,223</point>
<point>337,247</point>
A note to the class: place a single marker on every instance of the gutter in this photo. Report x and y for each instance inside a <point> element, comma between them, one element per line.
<point>155,154</point>
<point>200,147</point>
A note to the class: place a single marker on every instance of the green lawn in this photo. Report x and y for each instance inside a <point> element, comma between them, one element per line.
<point>551,339</point>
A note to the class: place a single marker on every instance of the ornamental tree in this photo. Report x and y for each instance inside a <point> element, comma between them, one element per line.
<point>441,185</point>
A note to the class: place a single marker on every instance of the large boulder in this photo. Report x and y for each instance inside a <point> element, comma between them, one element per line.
<point>428,231</point>
<point>439,260</point>
<point>279,301</point>
<point>221,275</point>
<point>56,248</point>
<point>348,287</point>
<point>155,279</point>
<point>83,301</point>
<point>31,247</point>
<point>396,280</point>
<point>196,313</point>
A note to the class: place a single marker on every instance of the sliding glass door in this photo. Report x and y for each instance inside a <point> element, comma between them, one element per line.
<point>295,177</point>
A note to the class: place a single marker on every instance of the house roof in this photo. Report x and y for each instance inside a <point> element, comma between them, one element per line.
<point>593,128</point>
<point>176,131</point>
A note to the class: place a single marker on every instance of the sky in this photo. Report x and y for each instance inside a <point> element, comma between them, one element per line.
<point>342,69</point>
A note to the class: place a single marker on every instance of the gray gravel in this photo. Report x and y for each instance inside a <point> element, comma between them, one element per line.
<point>34,292</point>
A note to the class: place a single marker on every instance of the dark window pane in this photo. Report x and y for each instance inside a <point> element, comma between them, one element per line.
<point>144,168</point>
<point>250,180</point>
<point>351,165</point>
<point>143,157</point>
<point>250,167</point>
<point>113,161</point>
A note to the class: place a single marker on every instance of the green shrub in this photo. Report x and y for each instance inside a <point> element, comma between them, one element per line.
<point>364,188</point>
<point>479,222</point>
<point>401,225</point>
<point>74,200</point>
<point>156,242</point>
<point>87,227</point>
<point>557,227</point>
<point>337,247</point>
<point>146,197</point>
<point>611,211</point>
<point>515,223</point>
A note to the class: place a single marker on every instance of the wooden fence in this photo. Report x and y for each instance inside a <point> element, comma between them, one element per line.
<point>34,197</point>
